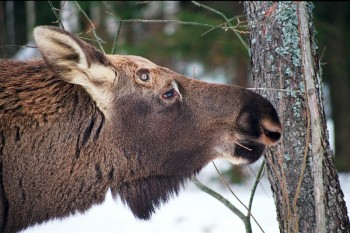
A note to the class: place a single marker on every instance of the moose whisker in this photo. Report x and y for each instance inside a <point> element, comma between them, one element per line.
<point>243,146</point>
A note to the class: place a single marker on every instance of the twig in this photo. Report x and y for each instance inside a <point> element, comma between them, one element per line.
<point>98,39</point>
<point>322,54</point>
<point>89,39</point>
<point>257,181</point>
<point>228,186</point>
<point>211,9</point>
<point>231,191</point>
<point>119,22</point>
<point>168,21</point>
<point>19,46</point>
<point>227,20</point>
<point>222,24</point>
<point>219,198</point>
<point>54,9</point>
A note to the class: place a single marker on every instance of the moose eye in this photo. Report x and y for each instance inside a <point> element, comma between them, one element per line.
<point>143,75</point>
<point>169,94</point>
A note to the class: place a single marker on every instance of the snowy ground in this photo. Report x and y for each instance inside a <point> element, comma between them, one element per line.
<point>191,212</point>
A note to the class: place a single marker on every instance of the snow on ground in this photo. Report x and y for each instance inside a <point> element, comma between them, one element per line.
<point>193,211</point>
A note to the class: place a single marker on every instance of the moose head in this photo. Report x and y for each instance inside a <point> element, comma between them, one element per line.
<point>78,122</point>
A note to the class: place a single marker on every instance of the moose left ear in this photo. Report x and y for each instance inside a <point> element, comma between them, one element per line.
<point>76,62</point>
<point>66,54</point>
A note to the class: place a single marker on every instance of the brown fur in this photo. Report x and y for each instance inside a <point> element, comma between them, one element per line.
<point>66,135</point>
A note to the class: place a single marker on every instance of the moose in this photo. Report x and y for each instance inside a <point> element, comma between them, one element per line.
<point>78,122</point>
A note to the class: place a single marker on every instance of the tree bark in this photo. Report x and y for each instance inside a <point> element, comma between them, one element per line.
<point>286,69</point>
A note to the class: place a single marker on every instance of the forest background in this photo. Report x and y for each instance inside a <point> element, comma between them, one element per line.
<point>183,39</point>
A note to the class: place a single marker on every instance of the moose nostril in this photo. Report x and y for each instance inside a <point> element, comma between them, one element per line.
<point>273,135</point>
<point>272,131</point>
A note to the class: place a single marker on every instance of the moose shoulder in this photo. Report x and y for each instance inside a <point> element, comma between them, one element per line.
<point>78,122</point>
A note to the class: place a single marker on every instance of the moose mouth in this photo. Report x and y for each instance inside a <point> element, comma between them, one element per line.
<point>248,150</point>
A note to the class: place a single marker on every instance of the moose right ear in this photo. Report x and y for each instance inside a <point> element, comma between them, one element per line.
<point>63,52</point>
<point>76,62</point>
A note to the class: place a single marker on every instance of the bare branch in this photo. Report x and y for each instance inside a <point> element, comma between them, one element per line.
<point>19,46</point>
<point>257,181</point>
<point>119,22</point>
<point>227,21</point>
<point>169,21</point>
<point>231,191</point>
<point>219,198</point>
<point>211,9</point>
<point>54,10</point>
<point>98,39</point>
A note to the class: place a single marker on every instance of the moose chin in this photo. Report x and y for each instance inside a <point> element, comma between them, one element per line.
<point>79,122</point>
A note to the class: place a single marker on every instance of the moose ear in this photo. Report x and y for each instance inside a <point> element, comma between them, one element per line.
<point>76,62</point>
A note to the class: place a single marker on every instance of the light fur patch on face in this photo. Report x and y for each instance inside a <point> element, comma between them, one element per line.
<point>176,87</point>
<point>223,154</point>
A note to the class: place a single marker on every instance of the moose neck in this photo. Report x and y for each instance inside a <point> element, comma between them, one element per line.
<point>66,135</point>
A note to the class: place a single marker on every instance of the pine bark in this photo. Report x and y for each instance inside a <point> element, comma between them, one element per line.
<point>286,70</point>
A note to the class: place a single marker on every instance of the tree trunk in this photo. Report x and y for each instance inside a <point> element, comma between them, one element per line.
<point>30,15</point>
<point>285,66</point>
<point>10,26</point>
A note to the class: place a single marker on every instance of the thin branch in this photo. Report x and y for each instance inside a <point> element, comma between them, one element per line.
<point>227,20</point>
<point>119,22</point>
<point>169,21</point>
<point>322,54</point>
<point>231,191</point>
<point>242,40</point>
<point>211,9</point>
<point>89,39</point>
<point>225,26</point>
<point>19,46</point>
<point>228,186</point>
<point>212,27</point>
<point>257,181</point>
<point>54,9</point>
<point>98,39</point>
<point>219,198</point>
<point>222,25</point>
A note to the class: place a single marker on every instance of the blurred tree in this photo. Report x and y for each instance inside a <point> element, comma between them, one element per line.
<point>334,31</point>
<point>2,28</point>
<point>180,44</point>
<point>30,18</point>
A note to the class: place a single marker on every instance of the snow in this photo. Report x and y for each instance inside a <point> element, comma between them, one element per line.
<point>193,211</point>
